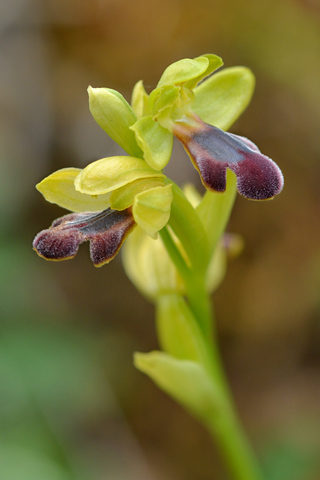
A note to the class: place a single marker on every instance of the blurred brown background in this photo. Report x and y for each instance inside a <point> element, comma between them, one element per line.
<point>71,404</point>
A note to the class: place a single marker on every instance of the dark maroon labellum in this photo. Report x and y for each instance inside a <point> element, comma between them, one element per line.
<point>105,231</point>
<point>212,151</point>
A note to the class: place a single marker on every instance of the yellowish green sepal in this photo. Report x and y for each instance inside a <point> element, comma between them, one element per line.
<point>155,141</point>
<point>186,381</point>
<point>110,173</point>
<point>59,188</point>
<point>149,267</point>
<point>222,98</point>
<point>114,114</point>
<point>140,100</point>
<point>151,209</point>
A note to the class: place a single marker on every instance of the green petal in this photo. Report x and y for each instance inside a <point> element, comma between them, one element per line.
<point>155,141</point>
<point>214,63</point>
<point>59,188</point>
<point>222,98</point>
<point>110,173</point>
<point>114,114</point>
<point>183,71</point>
<point>140,100</point>
<point>123,197</point>
<point>151,209</point>
<point>162,98</point>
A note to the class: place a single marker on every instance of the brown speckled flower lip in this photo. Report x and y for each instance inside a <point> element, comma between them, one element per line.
<point>212,151</point>
<point>106,231</point>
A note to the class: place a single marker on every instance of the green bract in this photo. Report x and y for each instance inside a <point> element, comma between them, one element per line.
<point>185,380</point>
<point>178,331</point>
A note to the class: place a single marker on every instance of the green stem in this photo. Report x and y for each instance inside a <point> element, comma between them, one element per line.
<point>194,283</point>
<point>200,303</point>
<point>234,446</point>
<point>174,253</point>
<point>214,211</point>
<point>223,422</point>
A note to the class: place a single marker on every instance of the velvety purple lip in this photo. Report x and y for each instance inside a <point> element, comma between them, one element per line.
<point>212,151</point>
<point>105,231</point>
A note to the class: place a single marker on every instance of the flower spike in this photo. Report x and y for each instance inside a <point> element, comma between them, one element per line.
<point>106,231</point>
<point>212,151</point>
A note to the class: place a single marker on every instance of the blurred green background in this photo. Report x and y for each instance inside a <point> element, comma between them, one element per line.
<point>72,407</point>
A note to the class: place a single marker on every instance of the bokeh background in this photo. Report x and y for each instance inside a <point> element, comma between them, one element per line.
<point>72,407</point>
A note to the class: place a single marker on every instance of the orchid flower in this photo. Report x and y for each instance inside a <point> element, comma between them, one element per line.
<point>111,196</point>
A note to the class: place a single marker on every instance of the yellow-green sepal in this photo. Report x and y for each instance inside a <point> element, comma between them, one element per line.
<point>114,114</point>
<point>151,209</point>
<point>108,174</point>
<point>123,197</point>
<point>154,140</point>
<point>59,188</point>
<point>222,98</point>
<point>149,267</point>
<point>185,380</point>
<point>140,100</point>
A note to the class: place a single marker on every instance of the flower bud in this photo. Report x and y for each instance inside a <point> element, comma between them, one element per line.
<point>149,267</point>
